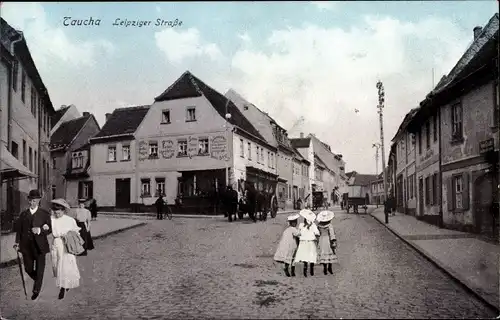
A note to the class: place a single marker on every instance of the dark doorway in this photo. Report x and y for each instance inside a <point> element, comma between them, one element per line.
<point>420,197</point>
<point>485,213</point>
<point>123,193</point>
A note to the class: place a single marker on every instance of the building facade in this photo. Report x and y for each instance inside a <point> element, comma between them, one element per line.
<point>67,156</point>
<point>26,110</point>
<point>465,106</point>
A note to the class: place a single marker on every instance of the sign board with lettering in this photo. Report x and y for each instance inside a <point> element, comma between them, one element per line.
<point>143,150</point>
<point>167,150</point>
<point>192,146</point>
<point>218,148</point>
<point>486,145</point>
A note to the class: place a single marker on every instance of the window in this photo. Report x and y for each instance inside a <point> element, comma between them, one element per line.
<point>428,134</point>
<point>435,189</point>
<point>182,148</point>
<point>191,114</point>
<point>405,194</point>
<point>111,153</point>
<point>258,154</point>
<point>412,186</point>
<point>160,187</point>
<point>420,141</point>
<point>458,192</point>
<point>145,187</point>
<point>165,116</point>
<point>42,116</point>
<point>242,149</point>
<point>15,71</point>
<point>14,150</point>
<point>77,160</point>
<point>261,155</point>
<point>53,191</point>
<point>203,146</point>
<point>85,191</point>
<point>25,156</point>
<point>23,86</point>
<point>125,153</point>
<point>249,151</point>
<point>456,121</point>
<point>30,158</point>
<point>54,162</point>
<point>35,163</point>
<point>33,100</point>
<point>153,149</point>
<point>269,159</point>
<point>427,191</point>
<point>435,128</point>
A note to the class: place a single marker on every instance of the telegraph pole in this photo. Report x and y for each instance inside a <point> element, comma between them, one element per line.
<point>380,107</point>
<point>377,147</point>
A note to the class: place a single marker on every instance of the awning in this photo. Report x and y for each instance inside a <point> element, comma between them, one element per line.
<point>10,167</point>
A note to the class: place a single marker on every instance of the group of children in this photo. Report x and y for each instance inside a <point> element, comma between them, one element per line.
<point>309,243</point>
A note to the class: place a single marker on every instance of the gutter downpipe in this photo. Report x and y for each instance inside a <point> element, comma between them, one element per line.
<point>9,96</point>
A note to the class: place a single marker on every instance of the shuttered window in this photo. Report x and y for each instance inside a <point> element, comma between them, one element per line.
<point>458,192</point>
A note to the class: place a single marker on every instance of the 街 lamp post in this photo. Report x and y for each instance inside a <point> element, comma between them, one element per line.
<point>227,116</point>
<point>380,107</point>
<point>377,146</point>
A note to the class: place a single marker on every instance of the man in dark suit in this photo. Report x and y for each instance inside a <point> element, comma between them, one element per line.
<point>32,228</point>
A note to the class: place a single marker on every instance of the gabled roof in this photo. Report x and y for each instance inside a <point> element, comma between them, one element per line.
<point>363,179</point>
<point>408,117</point>
<point>59,114</point>
<point>85,147</point>
<point>349,174</point>
<point>67,132</point>
<point>299,143</point>
<point>319,162</point>
<point>190,86</point>
<point>21,50</point>
<point>123,121</point>
<point>487,33</point>
<point>300,157</point>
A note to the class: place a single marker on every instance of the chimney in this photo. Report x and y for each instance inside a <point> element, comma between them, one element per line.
<point>477,32</point>
<point>63,106</point>
<point>302,134</point>
<point>86,114</point>
<point>108,115</point>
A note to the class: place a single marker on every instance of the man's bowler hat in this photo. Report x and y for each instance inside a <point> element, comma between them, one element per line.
<point>34,194</point>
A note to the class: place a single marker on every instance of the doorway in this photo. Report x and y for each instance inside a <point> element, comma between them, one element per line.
<point>123,193</point>
<point>485,213</point>
<point>420,196</point>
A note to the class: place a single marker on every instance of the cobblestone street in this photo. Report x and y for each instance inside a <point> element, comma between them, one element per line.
<point>209,268</point>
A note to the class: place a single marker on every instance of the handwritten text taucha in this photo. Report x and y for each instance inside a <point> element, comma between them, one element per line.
<point>118,22</point>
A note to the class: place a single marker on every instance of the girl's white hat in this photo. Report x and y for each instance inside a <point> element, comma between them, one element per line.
<point>308,215</point>
<point>325,216</point>
<point>293,217</point>
<point>61,202</point>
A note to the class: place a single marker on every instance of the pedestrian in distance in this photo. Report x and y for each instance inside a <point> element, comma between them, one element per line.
<point>287,246</point>
<point>307,251</point>
<point>327,242</point>
<point>159,207</point>
<point>83,218</point>
<point>64,263</point>
<point>93,209</point>
<point>32,228</point>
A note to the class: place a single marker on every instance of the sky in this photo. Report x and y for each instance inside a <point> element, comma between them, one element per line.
<point>316,60</point>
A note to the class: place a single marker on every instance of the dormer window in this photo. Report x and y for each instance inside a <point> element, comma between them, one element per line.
<point>77,161</point>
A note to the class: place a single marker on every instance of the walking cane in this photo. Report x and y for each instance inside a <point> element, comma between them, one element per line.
<point>22,274</point>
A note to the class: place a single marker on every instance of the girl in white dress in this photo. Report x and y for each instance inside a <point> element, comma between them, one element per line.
<point>307,251</point>
<point>63,263</point>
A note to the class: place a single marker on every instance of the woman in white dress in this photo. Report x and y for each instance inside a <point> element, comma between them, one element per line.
<point>307,251</point>
<point>63,263</point>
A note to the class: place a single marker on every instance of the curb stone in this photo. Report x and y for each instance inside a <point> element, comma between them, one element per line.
<point>13,262</point>
<point>456,278</point>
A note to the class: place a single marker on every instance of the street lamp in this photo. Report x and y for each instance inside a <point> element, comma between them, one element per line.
<point>380,107</point>
<point>377,146</point>
<point>228,116</point>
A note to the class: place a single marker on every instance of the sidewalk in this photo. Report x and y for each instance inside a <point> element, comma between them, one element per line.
<point>471,261</point>
<point>100,228</point>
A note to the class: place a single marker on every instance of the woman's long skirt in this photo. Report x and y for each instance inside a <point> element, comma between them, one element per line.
<point>87,238</point>
<point>64,266</point>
